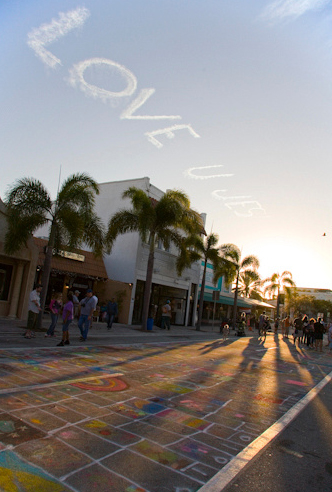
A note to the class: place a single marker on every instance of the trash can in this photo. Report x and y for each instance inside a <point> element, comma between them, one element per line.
<point>149,324</point>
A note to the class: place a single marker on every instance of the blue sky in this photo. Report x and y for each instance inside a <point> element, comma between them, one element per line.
<point>243,88</point>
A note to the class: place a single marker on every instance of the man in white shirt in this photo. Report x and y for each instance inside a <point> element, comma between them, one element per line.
<point>166,316</point>
<point>33,311</point>
<point>88,306</point>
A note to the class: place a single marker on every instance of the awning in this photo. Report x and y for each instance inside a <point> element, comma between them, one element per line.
<point>241,302</point>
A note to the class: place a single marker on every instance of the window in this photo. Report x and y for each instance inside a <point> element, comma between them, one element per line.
<point>161,246</point>
<point>5,278</point>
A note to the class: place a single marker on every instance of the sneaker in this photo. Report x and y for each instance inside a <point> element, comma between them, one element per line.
<point>61,344</point>
<point>47,336</point>
<point>67,342</point>
<point>82,339</point>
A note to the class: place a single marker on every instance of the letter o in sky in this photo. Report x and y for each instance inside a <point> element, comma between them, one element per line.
<point>77,78</point>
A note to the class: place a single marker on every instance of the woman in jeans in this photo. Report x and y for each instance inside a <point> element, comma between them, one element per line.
<point>55,306</point>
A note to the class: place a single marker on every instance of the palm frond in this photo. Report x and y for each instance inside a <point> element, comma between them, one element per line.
<point>94,233</point>
<point>28,195</point>
<point>231,253</point>
<point>28,206</point>
<point>79,181</point>
<point>250,261</point>
<point>122,222</point>
<point>226,269</point>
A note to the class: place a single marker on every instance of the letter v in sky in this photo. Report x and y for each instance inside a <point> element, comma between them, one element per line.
<point>46,34</point>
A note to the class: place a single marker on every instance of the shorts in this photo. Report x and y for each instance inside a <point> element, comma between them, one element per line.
<point>32,320</point>
<point>65,325</point>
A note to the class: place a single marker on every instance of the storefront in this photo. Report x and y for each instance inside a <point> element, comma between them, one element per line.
<point>70,270</point>
<point>159,295</point>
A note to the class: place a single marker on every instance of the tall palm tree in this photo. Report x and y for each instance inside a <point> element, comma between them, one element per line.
<point>277,283</point>
<point>249,284</point>
<point>231,254</point>
<point>166,220</point>
<point>70,217</point>
<point>197,248</point>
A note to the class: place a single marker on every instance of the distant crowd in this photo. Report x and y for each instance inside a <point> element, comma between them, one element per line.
<point>303,330</point>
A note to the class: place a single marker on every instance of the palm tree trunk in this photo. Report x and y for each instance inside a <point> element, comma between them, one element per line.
<point>235,299</point>
<point>46,273</point>
<point>201,299</point>
<point>148,284</point>
<point>278,302</point>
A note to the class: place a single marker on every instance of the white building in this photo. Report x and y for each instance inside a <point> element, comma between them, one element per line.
<point>128,260</point>
<point>320,294</point>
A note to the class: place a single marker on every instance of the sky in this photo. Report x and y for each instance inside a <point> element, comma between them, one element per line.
<point>229,101</point>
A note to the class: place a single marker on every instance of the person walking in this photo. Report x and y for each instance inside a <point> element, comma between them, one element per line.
<point>55,307</point>
<point>329,337</point>
<point>33,311</point>
<point>261,323</point>
<point>305,326</point>
<point>225,332</point>
<point>76,302</point>
<point>287,325</point>
<point>112,312</point>
<point>311,333</point>
<point>67,317</point>
<point>298,329</point>
<point>282,326</point>
<point>318,333</point>
<point>88,305</point>
<point>166,316</point>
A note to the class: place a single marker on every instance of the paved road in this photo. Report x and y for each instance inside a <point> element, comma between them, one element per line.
<point>135,412</point>
<point>300,458</point>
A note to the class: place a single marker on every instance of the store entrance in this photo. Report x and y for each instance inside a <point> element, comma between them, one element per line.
<point>159,295</point>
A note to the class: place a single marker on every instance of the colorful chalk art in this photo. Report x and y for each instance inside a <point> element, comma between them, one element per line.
<point>132,418</point>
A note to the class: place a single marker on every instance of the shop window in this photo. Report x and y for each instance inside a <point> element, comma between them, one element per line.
<point>5,278</point>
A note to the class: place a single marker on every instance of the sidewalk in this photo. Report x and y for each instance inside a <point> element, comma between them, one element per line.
<point>11,332</point>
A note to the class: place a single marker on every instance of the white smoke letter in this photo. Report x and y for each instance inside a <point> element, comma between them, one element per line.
<point>169,132</point>
<point>77,79</point>
<point>46,34</point>
<point>142,97</point>
<point>247,206</point>
<point>190,173</point>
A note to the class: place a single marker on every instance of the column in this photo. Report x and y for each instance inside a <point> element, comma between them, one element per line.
<point>16,290</point>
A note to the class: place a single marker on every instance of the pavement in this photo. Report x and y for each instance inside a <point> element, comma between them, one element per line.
<point>132,411</point>
<point>11,331</point>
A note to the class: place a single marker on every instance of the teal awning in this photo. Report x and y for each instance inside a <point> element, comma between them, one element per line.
<point>241,302</point>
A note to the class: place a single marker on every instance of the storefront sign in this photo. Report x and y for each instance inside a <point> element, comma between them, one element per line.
<point>69,254</point>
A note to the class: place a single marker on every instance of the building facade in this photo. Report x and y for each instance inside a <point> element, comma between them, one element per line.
<point>17,274</point>
<point>127,261</point>
<point>320,294</point>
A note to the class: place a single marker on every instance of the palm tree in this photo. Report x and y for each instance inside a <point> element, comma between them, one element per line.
<point>278,283</point>
<point>231,255</point>
<point>196,248</point>
<point>166,220</point>
<point>249,284</point>
<point>70,217</point>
